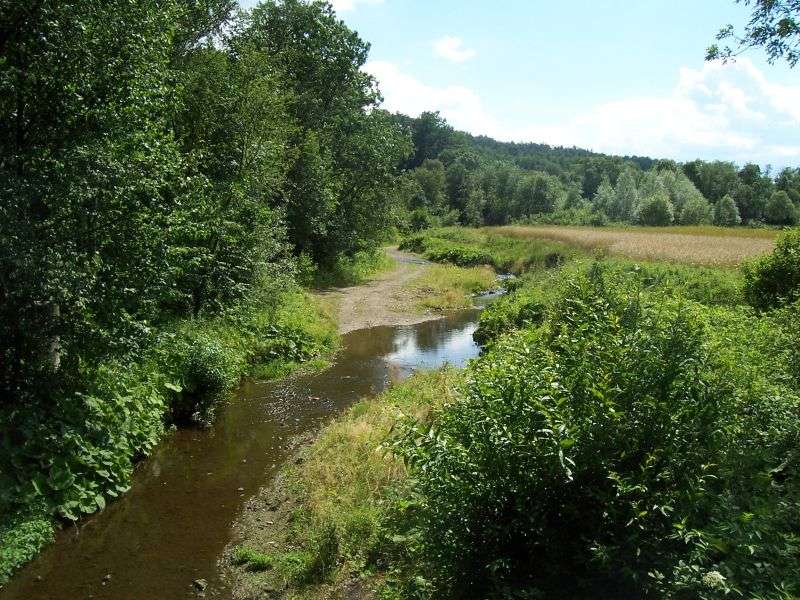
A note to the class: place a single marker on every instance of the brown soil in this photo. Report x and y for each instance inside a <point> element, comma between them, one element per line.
<point>385,300</point>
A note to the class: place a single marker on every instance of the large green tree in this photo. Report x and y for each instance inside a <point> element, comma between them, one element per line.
<point>780,210</point>
<point>89,172</point>
<point>431,136</point>
<point>626,197</point>
<point>335,195</point>
<point>726,213</point>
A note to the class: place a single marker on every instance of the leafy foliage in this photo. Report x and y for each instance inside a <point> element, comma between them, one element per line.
<point>477,181</point>
<point>656,210</point>
<point>612,448</point>
<point>22,535</point>
<point>696,211</point>
<point>780,210</point>
<point>775,279</point>
<point>726,213</point>
<point>163,163</point>
<point>774,25</point>
<point>531,297</point>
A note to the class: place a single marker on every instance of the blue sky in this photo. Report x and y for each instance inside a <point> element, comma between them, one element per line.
<point>620,76</point>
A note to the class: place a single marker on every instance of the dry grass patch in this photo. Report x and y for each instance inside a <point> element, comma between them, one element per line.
<point>709,230</point>
<point>695,246</point>
<point>447,287</point>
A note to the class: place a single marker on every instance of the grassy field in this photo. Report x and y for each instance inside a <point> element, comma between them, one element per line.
<point>708,246</point>
<point>467,247</point>
<point>707,230</point>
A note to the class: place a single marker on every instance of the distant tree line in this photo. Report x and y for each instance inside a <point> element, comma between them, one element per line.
<point>453,178</point>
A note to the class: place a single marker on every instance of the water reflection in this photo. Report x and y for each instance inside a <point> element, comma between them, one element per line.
<point>413,351</point>
<point>174,523</point>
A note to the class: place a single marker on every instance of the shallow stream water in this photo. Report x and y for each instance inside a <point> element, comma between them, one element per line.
<point>173,525</point>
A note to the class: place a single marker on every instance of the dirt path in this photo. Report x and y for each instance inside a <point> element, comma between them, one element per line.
<point>385,300</point>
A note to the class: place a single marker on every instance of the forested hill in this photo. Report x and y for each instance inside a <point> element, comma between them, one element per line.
<point>543,157</point>
<point>454,177</point>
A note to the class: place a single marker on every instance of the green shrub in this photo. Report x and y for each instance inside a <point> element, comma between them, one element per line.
<point>696,211</point>
<point>633,443</point>
<point>421,218</point>
<point>774,279</point>
<point>459,256</point>
<point>656,210</point>
<point>414,243</point>
<point>527,300</point>
<point>726,213</point>
<point>207,372</point>
<point>524,305</point>
<point>353,268</point>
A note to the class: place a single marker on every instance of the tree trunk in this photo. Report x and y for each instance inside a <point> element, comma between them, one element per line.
<point>54,350</point>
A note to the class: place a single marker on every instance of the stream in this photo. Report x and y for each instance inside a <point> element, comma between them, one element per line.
<point>173,525</point>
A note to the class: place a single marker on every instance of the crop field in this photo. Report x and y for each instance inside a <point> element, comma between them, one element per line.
<point>709,246</point>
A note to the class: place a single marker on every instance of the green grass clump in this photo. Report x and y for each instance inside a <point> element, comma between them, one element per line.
<point>252,559</point>
<point>339,489</point>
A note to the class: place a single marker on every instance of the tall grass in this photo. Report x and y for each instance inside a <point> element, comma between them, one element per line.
<point>529,300</point>
<point>339,485</point>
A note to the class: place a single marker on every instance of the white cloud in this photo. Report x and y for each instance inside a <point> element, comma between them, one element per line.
<point>452,49</point>
<point>461,106</point>
<point>346,5</point>
<point>721,111</point>
<point>724,111</point>
<point>786,151</point>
